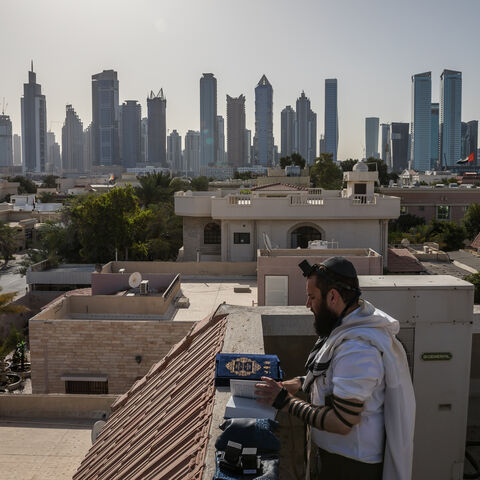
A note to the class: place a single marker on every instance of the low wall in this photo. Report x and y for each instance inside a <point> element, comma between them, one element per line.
<point>98,347</point>
<point>56,406</point>
<point>185,268</point>
<point>108,283</point>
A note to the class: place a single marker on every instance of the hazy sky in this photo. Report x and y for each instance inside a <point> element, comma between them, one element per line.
<point>372,47</point>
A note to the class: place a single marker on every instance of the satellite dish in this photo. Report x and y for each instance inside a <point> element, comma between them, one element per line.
<point>134,279</point>
<point>267,242</point>
<point>97,428</point>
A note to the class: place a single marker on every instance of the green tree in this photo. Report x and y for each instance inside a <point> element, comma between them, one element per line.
<point>381,167</point>
<point>347,165</point>
<point>50,181</point>
<point>7,243</point>
<point>199,184</point>
<point>405,222</point>
<point>471,220</point>
<point>242,175</point>
<point>325,173</point>
<point>293,159</point>
<point>177,184</point>
<point>153,188</point>
<point>448,235</point>
<point>47,197</point>
<point>26,185</point>
<point>474,278</point>
<point>108,223</point>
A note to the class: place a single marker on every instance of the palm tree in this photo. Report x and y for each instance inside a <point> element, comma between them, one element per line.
<point>11,340</point>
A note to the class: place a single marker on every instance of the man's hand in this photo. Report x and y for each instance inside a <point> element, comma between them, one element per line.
<point>293,385</point>
<point>267,392</point>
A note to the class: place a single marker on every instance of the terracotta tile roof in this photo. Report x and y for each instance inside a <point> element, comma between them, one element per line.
<point>400,260</point>
<point>159,429</point>
<point>476,242</point>
<point>280,186</point>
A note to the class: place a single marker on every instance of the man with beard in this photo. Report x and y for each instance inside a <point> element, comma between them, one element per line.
<point>362,406</point>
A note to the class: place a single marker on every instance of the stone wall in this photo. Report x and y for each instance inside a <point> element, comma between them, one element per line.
<point>98,347</point>
<point>193,238</point>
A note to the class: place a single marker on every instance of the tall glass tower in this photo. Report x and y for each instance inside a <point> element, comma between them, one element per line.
<point>306,130</point>
<point>263,140</point>
<point>288,121</point>
<point>157,128</point>
<point>421,126</point>
<point>208,120</point>
<point>331,117</point>
<point>34,125</point>
<point>450,117</point>
<point>105,117</point>
<point>435,129</point>
<point>72,142</point>
<point>371,137</point>
<point>132,134</point>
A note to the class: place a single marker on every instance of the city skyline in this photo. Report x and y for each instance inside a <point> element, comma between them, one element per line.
<point>178,25</point>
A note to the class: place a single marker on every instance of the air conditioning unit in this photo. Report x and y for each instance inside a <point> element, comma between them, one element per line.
<point>436,315</point>
<point>144,287</point>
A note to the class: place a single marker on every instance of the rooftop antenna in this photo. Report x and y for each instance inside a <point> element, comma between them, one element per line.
<point>135,279</point>
<point>31,66</point>
<point>4,106</point>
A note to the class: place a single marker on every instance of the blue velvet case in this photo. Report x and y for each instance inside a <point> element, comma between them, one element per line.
<point>246,367</point>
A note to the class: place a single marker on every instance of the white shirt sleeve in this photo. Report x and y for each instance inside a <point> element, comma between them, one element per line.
<point>357,368</point>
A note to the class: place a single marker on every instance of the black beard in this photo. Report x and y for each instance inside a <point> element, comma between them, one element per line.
<point>325,320</point>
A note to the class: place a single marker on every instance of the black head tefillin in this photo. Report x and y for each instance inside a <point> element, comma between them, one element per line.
<point>240,460</point>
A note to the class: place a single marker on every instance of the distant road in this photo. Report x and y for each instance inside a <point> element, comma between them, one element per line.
<point>11,280</point>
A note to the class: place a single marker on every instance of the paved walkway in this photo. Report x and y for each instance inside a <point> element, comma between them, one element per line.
<point>42,449</point>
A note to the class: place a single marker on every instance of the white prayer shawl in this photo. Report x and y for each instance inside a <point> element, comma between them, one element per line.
<point>370,324</point>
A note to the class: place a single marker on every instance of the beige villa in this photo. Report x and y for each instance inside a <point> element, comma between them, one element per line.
<point>232,225</point>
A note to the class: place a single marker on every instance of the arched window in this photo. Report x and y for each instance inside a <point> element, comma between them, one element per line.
<point>212,234</point>
<point>302,235</point>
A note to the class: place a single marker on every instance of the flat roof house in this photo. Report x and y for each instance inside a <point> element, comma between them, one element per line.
<point>230,226</point>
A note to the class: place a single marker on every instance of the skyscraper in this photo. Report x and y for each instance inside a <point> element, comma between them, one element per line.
<point>371,137</point>
<point>72,142</point>
<point>248,147</point>
<point>331,117</point>
<point>236,131</point>
<point>450,117</point>
<point>306,130</point>
<point>105,118</point>
<point>263,140</point>
<point>221,155</point>
<point>87,149</point>
<point>385,153</point>
<point>174,151</point>
<point>288,121</point>
<point>157,128</point>
<point>421,125</point>
<point>208,120</point>
<point>6,151</point>
<point>434,147</point>
<point>470,141</point>
<point>191,154</point>
<point>399,145</point>
<point>144,148</point>
<point>54,159</point>
<point>131,133</point>
<point>17,149</point>
<point>34,125</point>
<point>321,145</point>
